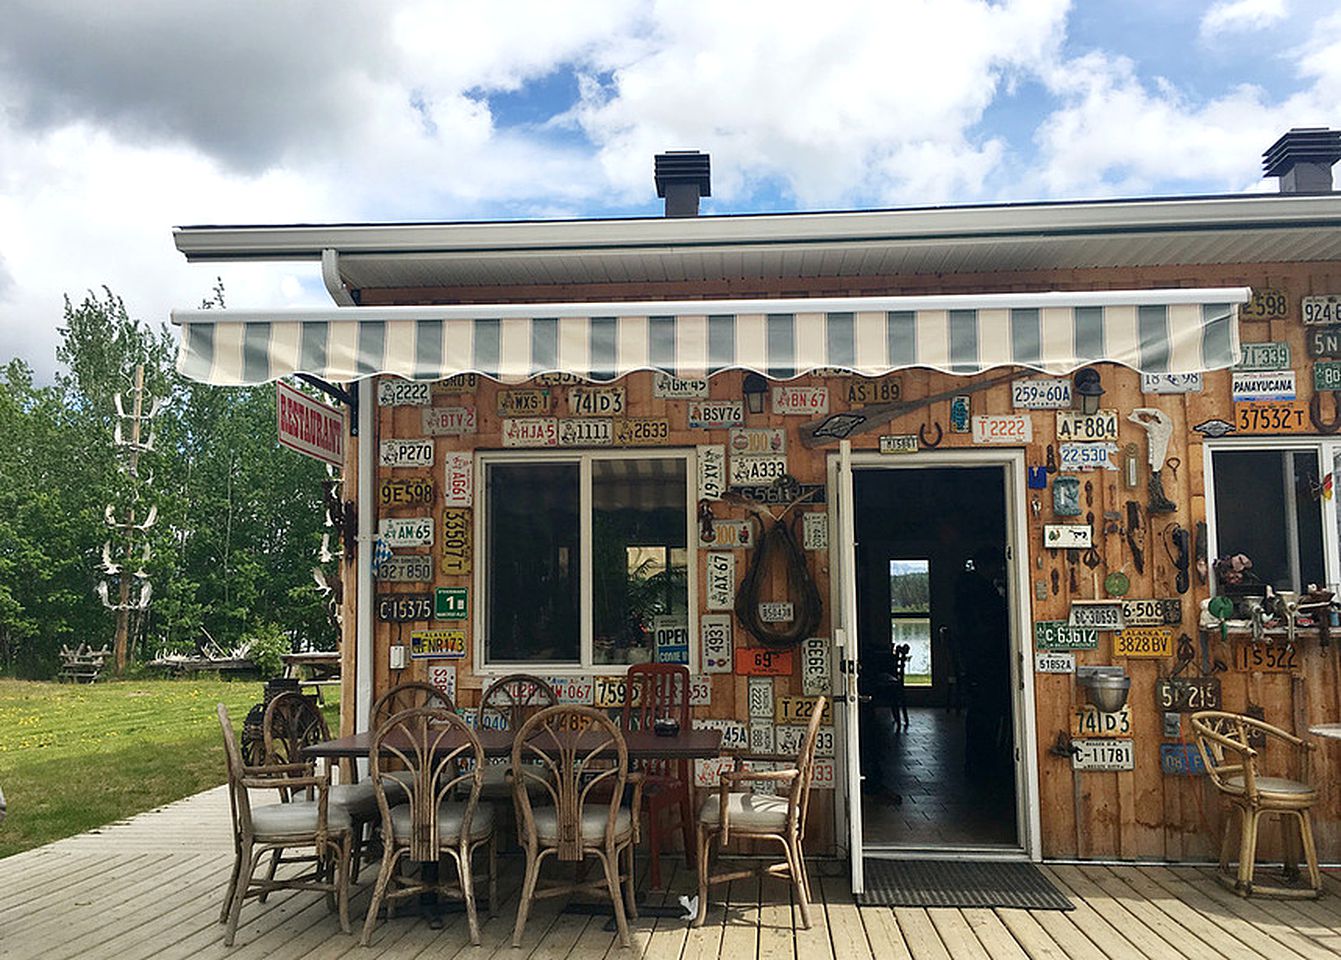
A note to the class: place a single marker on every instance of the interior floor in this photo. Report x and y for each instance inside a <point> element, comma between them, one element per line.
<point>919,791</point>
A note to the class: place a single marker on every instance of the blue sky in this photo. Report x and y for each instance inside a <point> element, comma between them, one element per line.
<point>118,121</point>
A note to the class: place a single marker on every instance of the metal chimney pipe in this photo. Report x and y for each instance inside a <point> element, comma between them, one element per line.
<point>682,177</point>
<point>1303,159</point>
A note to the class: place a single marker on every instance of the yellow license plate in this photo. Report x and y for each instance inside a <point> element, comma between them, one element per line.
<point>1143,642</point>
<point>1265,657</point>
<point>799,710</point>
<point>1089,721</point>
<point>1271,416</point>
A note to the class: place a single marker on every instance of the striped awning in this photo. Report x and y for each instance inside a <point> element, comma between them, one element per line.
<point>1153,331</point>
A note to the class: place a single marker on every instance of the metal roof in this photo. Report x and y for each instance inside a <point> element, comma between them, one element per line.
<point>1247,228</point>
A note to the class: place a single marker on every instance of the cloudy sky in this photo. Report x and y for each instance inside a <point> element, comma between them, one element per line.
<point>120,120</point>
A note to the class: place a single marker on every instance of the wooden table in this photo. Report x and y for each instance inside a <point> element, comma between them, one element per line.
<point>642,745</point>
<point>322,669</point>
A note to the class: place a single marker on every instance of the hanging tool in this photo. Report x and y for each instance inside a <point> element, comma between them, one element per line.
<point>1091,557</point>
<point>1158,428</point>
<point>1052,459</point>
<point>1072,558</point>
<point>1176,545</point>
<point>1131,476</point>
<point>1136,535</point>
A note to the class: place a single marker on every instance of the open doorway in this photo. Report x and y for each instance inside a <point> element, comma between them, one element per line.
<point>938,757</point>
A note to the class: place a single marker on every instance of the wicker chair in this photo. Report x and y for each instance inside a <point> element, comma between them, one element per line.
<point>576,754</point>
<point>405,696</point>
<point>293,721</point>
<point>657,691</point>
<point>507,704</point>
<point>281,826</point>
<point>1225,741</point>
<point>431,743</point>
<point>781,818</point>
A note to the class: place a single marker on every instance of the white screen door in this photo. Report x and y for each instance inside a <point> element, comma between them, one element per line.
<point>848,646</point>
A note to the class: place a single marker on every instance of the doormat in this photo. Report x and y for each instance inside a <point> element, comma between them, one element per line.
<point>959,883</point>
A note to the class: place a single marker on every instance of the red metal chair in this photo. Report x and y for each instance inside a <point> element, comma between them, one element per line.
<point>656,691</point>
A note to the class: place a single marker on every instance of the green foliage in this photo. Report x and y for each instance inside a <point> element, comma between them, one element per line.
<point>267,647</point>
<point>239,521</point>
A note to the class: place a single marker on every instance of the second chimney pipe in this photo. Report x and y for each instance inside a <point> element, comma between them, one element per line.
<point>682,177</point>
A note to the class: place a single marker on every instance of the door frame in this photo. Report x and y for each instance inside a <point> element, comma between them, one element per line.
<point>842,588</point>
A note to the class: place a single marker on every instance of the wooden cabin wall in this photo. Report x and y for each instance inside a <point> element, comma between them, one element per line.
<point>1140,814</point>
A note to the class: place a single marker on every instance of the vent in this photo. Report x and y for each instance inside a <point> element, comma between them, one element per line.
<point>1303,159</point>
<point>682,177</point>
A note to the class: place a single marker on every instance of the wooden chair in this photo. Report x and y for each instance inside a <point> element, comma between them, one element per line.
<point>576,753</point>
<point>781,818</point>
<point>406,696</point>
<point>1225,743</point>
<point>293,721</point>
<point>656,691</point>
<point>898,704</point>
<point>281,826</point>
<point>507,704</point>
<point>431,743</point>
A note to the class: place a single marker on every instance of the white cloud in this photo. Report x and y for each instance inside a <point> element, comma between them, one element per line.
<point>1235,16</point>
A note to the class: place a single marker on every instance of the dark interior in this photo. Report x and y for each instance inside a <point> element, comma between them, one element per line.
<point>931,572</point>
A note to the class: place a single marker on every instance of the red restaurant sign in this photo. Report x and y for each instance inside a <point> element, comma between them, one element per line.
<point>308,426</point>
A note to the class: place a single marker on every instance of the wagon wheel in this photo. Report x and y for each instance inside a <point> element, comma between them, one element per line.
<point>253,738</point>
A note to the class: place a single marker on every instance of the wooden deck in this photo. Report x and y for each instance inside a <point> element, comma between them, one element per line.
<point>151,888</point>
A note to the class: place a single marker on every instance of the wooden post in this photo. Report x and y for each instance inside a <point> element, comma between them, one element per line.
<point>123,608</point>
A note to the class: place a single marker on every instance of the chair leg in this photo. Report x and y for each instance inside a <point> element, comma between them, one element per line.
<point>687,825</point>
<point>610,861</point>
<point>493,875</point>
<point>1227,835</point>
<point>270,874</point>
<point>1289,852</point>
<point>356,857</point>
<point>467,878</point>
<point>379,890</point>
<point>248,867</point>
<point>702,848</point>
<point>798,881</point>
<point>630,883</point>
<point>654,847</point>
<point>527,892</point>
<point>232,886</point>
<point>1247,851</point>
<point>1310,851</point>
<point>342,871</point>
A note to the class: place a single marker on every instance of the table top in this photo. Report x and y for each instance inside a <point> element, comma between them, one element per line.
<point>1332,730</point>
<point>642,745</point>
<point>315,656</point>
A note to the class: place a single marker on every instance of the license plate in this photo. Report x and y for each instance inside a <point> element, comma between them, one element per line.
<point>1077,457</point>
<point>735,735</point>
<point>586,433</point>
<point>596,401</point>
<point>1265,356</point>
<point>456,536</point>
<point>557,379</point>
<point>1041,393</point>
<point>800,400</point>
<point>644,430</point>
<point>1054,663</point>
<point>799,710</point>
<point>859,392</point>
<point>755,661</point>
<point>901,443</point>
<point>451,603</point>
<point>1060,635</point>
<point>573,689</point>
<point>1074,425</point>
<point>779,612</point>
<point>757,442</point>
<point>1263,385</point>
<point>1324,342</point>
<point>717,414</point>
<point>405,453</point>
<point>823,774</point>
<point>721,574</point>
<point>531,432</point>
<point>1090,721</point>
<point>1265,303</point>
<point>1143,613</point>
<point>402,393</point>
<point>815,531</point>
<point>609,691</point>
<point>411,569</point>
<point>816,677</point>
<point>521,403</point>
<point>1316,311</point>
<point>405,607</point>
<point>448,421</point>
<point>1181,760</point>
<point>708,773</point>
<point>715,639</point>
<point>1161,383</point>
<point>1151,642</point>
<point>1099,754</point>
<point>759,691</point>
<point>761,737</point>
<point>1327,376</point>
<point>789,740</point>
<point>1265,657</point>
<point>666,387</point>
<point>729,535</point>
<point>1187,695</point>
<point>747,471</point>
<point>406,531</point>
<point>395,493</point>
<point>1003,428</point>
<point>711,471</point>
<point>700,691</point>
<point>1067,536</point>
<point>461,383</point>
<point>1280,417</point>
<point>768,493</point>
<point>459,477</point>
<point>438,644</point>
<point>1098,614</point>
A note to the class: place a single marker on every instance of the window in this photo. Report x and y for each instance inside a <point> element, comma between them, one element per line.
<point>586,559</point>
<point>1268,506</point>
<point>910,617</point>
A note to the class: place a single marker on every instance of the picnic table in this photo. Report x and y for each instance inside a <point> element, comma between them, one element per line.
<point>316,669</point>
<point>83,664</point>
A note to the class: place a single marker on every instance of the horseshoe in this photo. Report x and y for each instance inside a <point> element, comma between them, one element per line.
<point>1315,414</point>
<point>922,436</point>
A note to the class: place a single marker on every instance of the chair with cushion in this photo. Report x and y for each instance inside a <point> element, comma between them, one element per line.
<point>439,752</point>
<point>1231,746</point>
<point>580,760</point>
<point>507,704</point>
<point>781,817</point>
<point>293,721</point>
<point>406,696</point>
<point>299,824</point>
<point>658,691</point>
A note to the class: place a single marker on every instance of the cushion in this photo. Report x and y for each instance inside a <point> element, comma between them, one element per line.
<point>747,811</point>
<point>359,800</point>
<point>295,818</point>
<point>498,784</point>
<point>450,813</point>
<point>1271,785</point>
<point>594,820</point>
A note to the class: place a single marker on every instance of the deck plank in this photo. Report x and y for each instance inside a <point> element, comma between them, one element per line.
<point>994,936</point>
<point>1126,918</point>
<point>957,934</point>
<point>924,943</point>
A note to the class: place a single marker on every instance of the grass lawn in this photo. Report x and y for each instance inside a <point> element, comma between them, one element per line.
<point>74,757</point>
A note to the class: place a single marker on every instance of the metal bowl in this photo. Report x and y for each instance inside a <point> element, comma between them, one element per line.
<point>1109,693</point>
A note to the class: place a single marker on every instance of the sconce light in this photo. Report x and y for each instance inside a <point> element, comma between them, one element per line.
<point>755,389</point>
<point>1089,388</point>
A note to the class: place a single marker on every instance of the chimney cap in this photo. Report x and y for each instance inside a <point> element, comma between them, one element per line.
<point>683,167</point>
<point>1316,145</point>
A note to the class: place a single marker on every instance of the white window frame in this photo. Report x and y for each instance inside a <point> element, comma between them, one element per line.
<point>1326,451</point>
<point>583,458</point>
